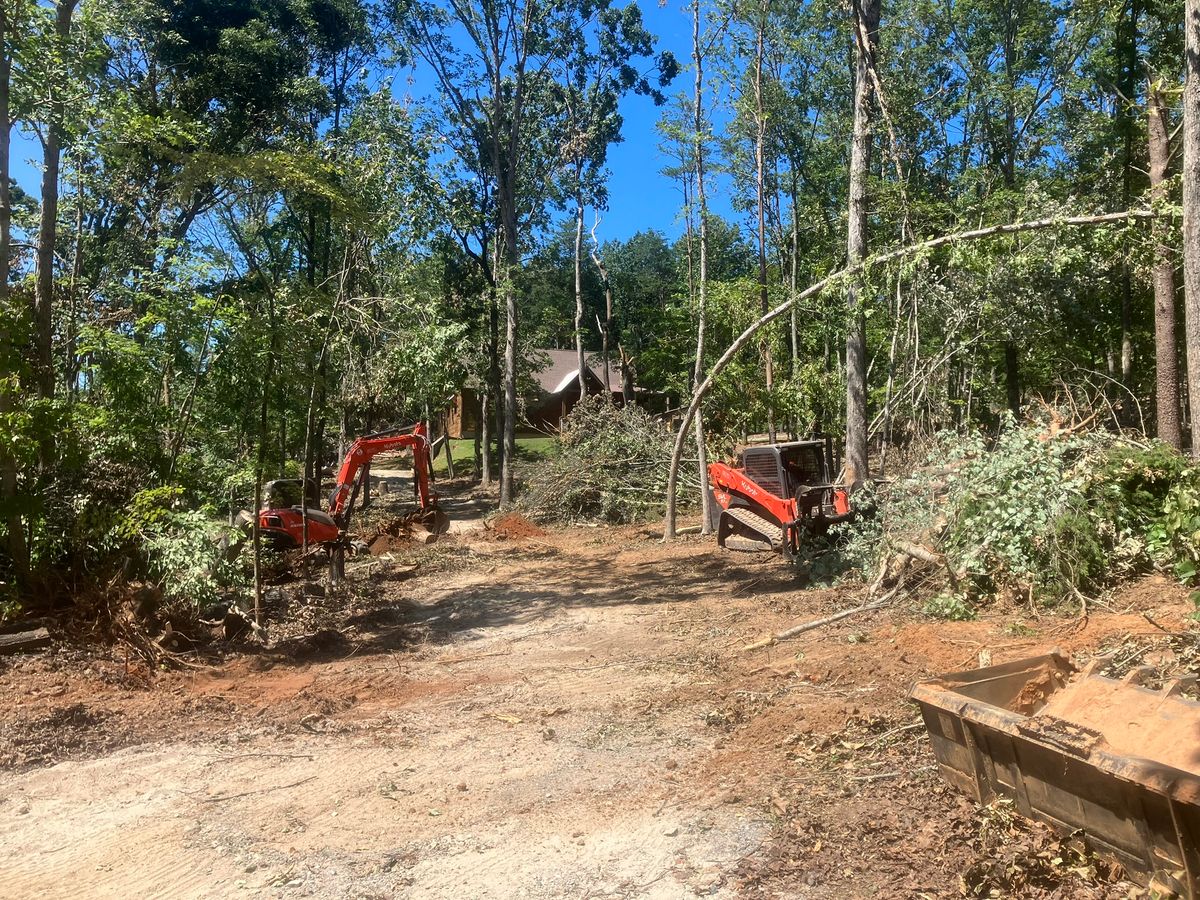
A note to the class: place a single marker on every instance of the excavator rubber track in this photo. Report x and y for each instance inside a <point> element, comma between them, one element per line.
<point>771,534</point>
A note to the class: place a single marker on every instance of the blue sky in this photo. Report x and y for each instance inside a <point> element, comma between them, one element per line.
<point>640,196</point>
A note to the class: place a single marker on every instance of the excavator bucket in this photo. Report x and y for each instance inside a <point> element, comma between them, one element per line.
<point>436,521</point>
<point>1111,759</point>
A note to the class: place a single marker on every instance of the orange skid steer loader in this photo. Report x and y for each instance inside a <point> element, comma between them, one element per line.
<point>776,496</point>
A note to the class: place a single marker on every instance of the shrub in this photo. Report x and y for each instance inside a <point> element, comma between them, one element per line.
<point>610,465</point>
<point>182,551</point>
<point>1049,514</point>
<point>186,558</point>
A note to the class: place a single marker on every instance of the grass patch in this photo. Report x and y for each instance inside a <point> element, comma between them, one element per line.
<point>529,449</point>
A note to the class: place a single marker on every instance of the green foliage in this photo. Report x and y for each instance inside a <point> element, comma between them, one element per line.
<point>1173,537</point>
<point>611,466</point>
<point>186,558</point>
<point>149,511</point>
<point>1039,513</point>
<point>950,605</point>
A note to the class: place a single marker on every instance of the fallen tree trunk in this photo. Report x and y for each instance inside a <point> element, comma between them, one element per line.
<point>892,569</point>
<point>924,554</point>
<point>916,551</point>
<point>24,641</point>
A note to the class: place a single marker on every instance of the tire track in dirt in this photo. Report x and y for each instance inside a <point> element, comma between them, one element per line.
<point>101,829</point>
<point>526,755</point>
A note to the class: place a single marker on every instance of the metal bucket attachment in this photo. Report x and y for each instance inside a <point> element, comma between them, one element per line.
<point>1081,752</point>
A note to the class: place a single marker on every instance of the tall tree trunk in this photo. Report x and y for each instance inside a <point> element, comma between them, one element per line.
<point>1012,361</point>
<point>495,367</point>
<point>18,550</point>
<point>1166,363</point>
<point>606,338</point>
<point>480,433</point>
<point>449,450</point>
<point>867,22</point>
<point>512,262</point>
<point>582,371</point>
<point>698,144</point>
<point>760,122</point>
<point>606,328</point>
<point>1127,79</point>
<point>795,277</point>
<point>260,461</point>
<point>43,297</point>
<point>71,375</point>
<point>1191,212</point>
<point>699,125</point>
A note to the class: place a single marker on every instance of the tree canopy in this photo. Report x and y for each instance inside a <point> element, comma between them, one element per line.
<point>254,240</point>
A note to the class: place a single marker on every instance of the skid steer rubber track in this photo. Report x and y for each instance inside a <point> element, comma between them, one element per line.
<point>771,534</point>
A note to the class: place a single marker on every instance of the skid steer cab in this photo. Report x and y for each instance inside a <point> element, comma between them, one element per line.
<point>776,496</point>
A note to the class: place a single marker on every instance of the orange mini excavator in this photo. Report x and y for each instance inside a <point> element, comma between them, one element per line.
<point>776,495</point>
<point>284,525</point>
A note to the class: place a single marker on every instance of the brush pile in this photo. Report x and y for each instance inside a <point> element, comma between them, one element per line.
<point>1043,514</point>
<point>610,466</point>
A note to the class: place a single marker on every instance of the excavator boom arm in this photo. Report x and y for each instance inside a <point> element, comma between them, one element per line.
<point>361,453</point>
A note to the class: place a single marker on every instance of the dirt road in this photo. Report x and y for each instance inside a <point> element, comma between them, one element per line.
<point>551,715</point>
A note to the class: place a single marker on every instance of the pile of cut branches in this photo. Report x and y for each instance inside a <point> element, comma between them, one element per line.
<point>610,466</point>
<point>1041,515</point>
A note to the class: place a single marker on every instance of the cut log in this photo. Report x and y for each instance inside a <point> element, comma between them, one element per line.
<point>422,535</point>
<point>24,641</point>
<point>918,551</point>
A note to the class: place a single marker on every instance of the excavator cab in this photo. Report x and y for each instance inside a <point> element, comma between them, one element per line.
<point>801,471</point>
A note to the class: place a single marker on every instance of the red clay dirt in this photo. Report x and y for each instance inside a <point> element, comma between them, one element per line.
<point>566,717</point>
<point>514,526</point>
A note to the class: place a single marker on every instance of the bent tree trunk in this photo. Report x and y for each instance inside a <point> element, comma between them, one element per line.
<point>850,271</point>
<point>856,245</point>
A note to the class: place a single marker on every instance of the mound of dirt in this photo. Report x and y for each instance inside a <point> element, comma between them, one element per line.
<point>514,526</point>
<point>386,543</point>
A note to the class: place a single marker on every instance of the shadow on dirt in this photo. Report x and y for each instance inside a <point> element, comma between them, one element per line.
<point>539,585</point>
<point>532,581</point>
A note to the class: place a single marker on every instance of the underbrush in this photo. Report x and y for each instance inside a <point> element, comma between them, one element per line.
<point>610,465</point>
<point>182,551</point>
<point>1041,516</point>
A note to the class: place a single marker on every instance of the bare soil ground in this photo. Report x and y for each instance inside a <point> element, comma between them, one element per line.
<point>523,713</point>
